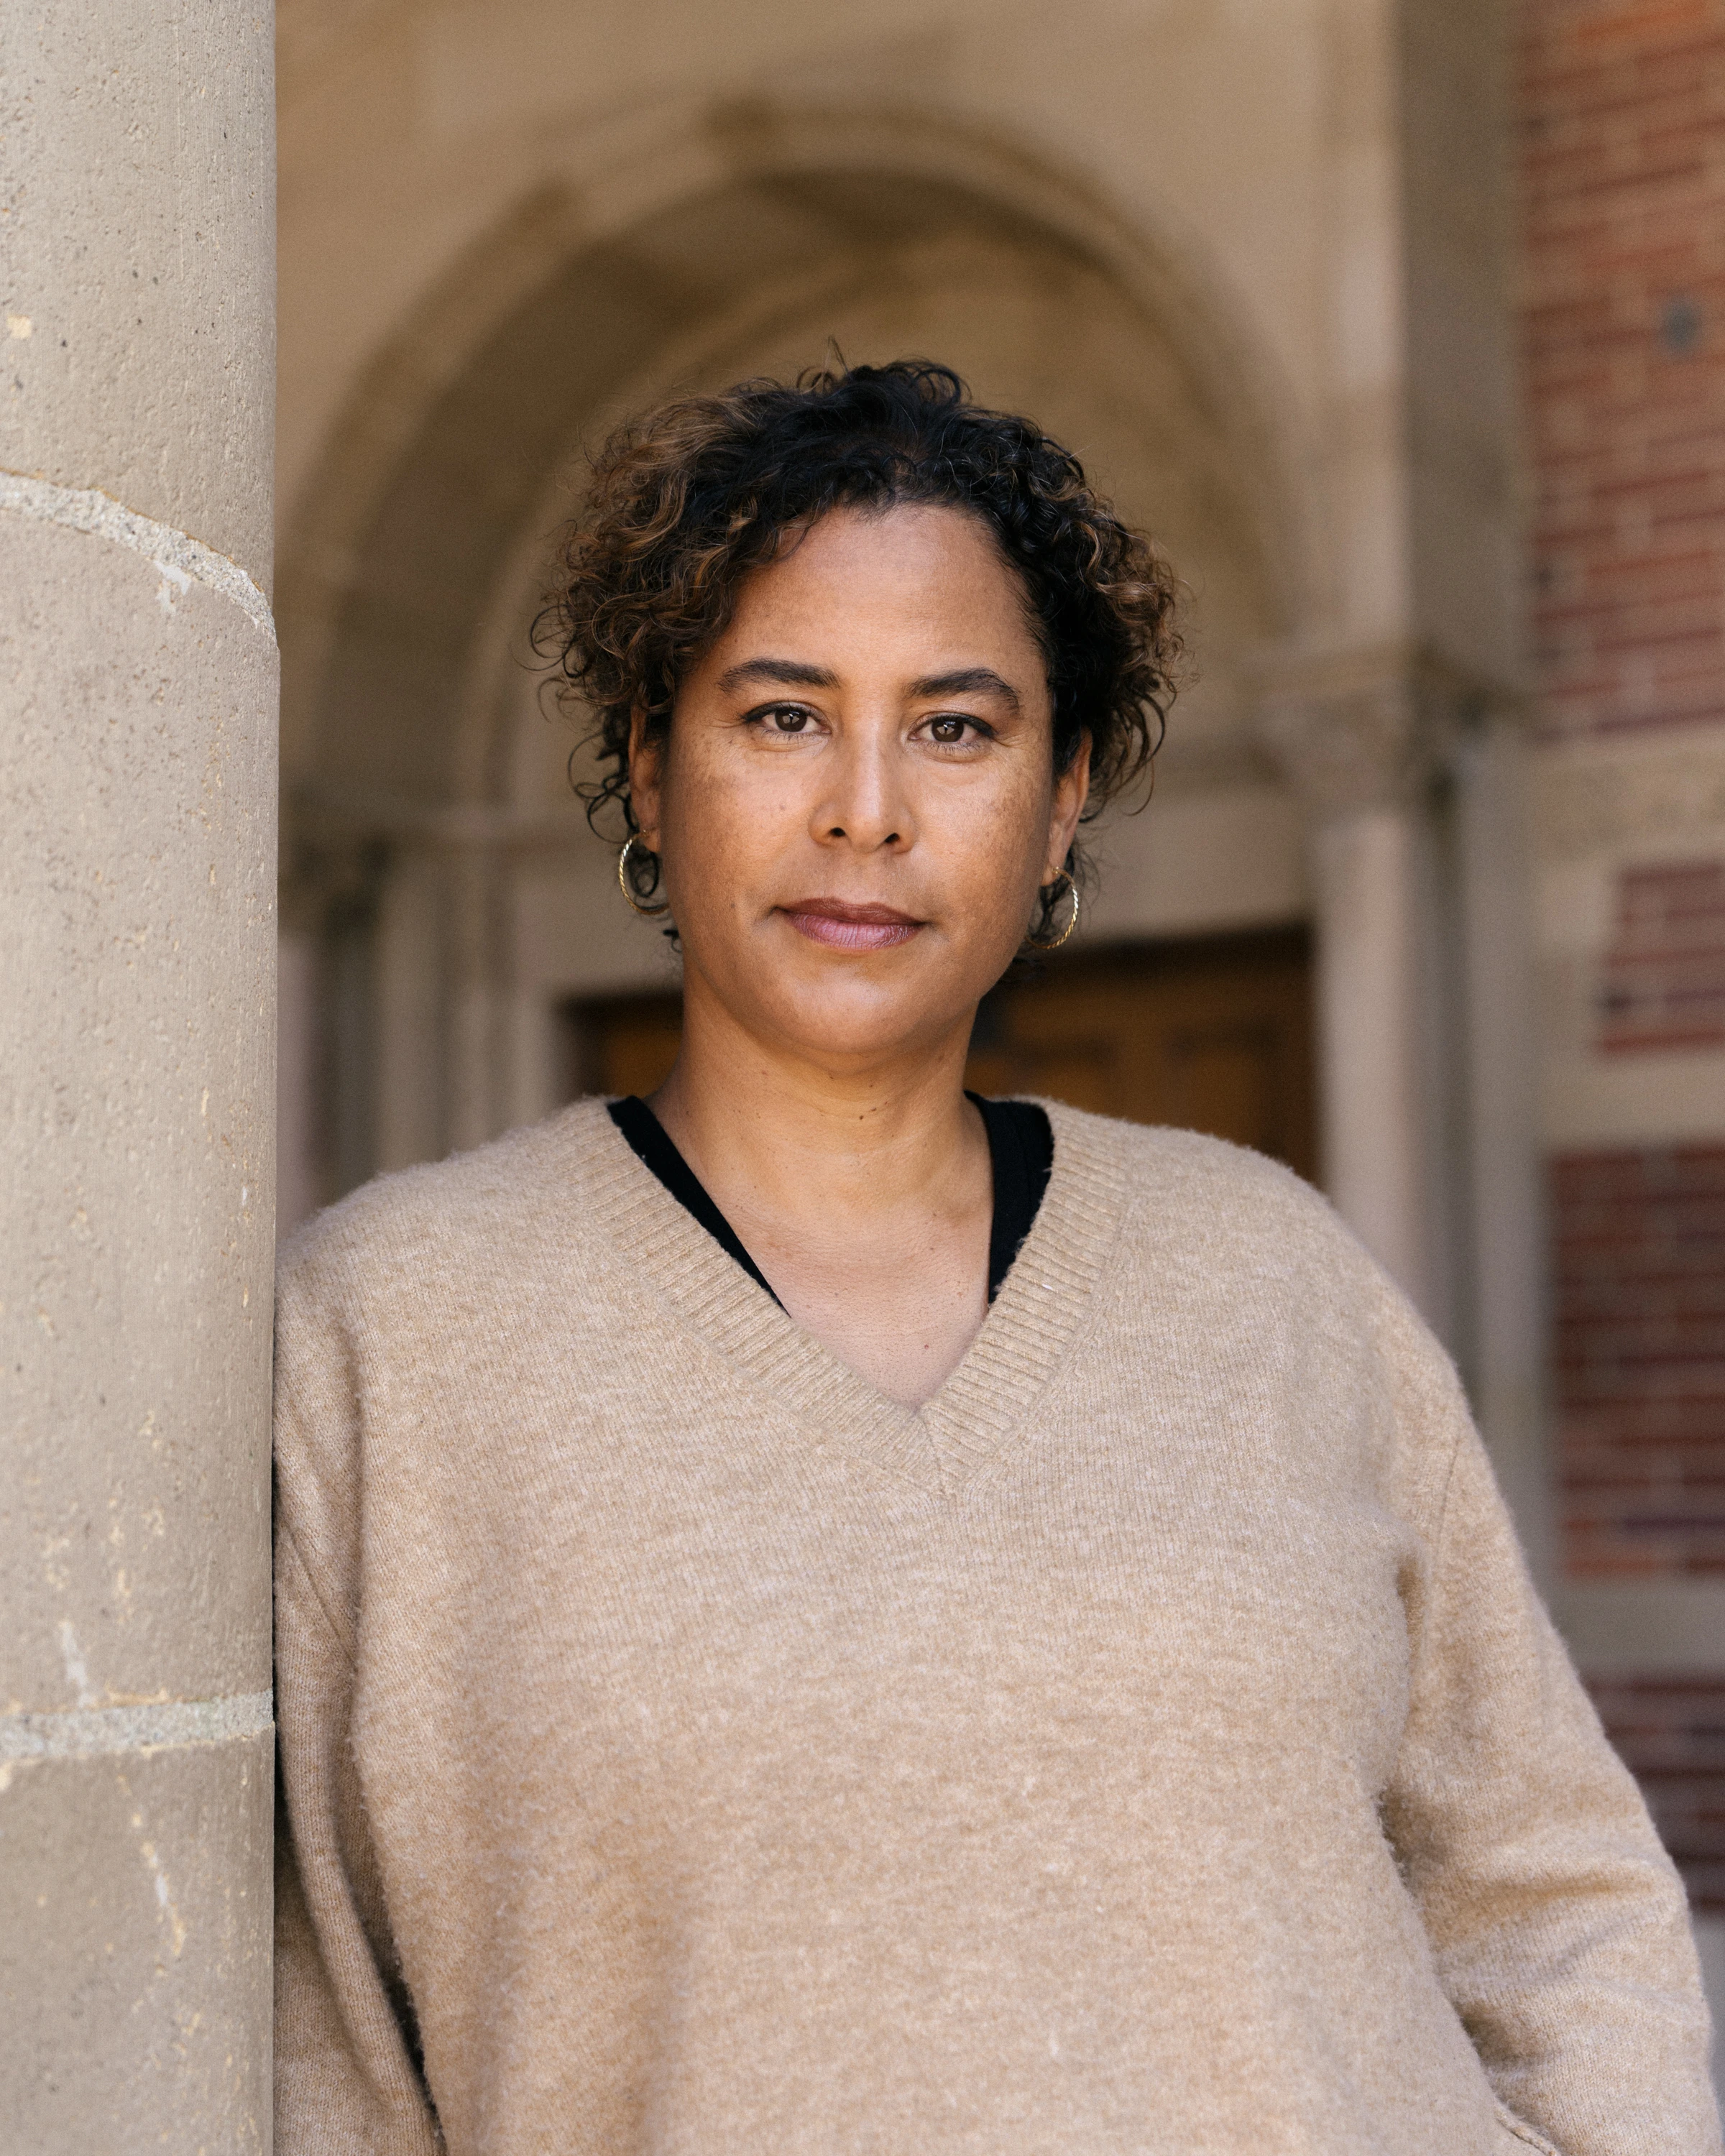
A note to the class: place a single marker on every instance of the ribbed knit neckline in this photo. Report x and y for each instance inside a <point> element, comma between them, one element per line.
<point>941,1445</point>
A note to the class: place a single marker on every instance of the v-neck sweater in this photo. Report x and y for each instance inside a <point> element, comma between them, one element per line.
<point>1154,1744</point>
<point>1021,1157</point>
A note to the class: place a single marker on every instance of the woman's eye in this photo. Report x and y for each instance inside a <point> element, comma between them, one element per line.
<point>948,730</point>
<point>787,719</point>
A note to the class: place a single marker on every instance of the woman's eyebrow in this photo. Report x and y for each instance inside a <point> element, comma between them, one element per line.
<point>799,674</point>
<point>966,681</point>
<point>780,673</point>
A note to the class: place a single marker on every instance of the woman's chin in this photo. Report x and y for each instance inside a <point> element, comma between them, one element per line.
<point>851,1034</point>
<point>846,1011</point>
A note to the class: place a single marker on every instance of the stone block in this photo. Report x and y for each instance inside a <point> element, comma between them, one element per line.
<point>137,277</point>
<point>135,1952</point>
<point>137,940</point>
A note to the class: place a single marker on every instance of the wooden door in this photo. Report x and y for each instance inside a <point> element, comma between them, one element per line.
<point>1211,1034</point>
<point>1214,1034</point>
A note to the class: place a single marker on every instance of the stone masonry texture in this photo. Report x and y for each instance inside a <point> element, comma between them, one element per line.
<point>139,1159</point>
<point>147,1881</point>
<point>138,272</point>
<point>138,685</point>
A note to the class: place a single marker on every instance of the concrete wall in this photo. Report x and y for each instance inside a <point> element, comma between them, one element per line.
<point>137,958</point>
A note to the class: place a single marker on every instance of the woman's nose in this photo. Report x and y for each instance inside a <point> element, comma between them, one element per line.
<point>865,805</point>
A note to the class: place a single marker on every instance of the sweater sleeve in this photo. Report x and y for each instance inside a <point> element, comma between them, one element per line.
<point>347,2080</point>
<point>1559,1924</point>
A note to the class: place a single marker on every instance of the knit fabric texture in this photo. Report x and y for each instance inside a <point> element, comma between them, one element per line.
<point>1153,1745</point>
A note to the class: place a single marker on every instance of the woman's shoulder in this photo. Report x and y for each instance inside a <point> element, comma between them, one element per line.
<point>1185,1173</point>
<point>475,1214</point>
<point>1269,1245</point>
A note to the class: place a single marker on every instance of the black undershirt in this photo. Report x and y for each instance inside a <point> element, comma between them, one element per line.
<point>1020,1150</point>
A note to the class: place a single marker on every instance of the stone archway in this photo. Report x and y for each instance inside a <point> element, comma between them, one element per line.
<point>423,844</point>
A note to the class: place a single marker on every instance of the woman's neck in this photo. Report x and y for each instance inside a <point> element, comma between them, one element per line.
<point>864,1195</point>
<point>806,1138</point>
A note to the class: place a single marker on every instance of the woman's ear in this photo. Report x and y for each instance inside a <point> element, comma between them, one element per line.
<point>646,771</point>
<point>1071,790</point>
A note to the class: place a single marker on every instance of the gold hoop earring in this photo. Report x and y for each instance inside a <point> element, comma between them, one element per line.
<point>646,912</point>
<point>1054,942</point>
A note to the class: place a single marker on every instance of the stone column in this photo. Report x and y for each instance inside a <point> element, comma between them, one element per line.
<point>1509,1316</point>
<point>136,951</point>
<point>1427,1047</point>
<point>1367,887</point>
<point>1355,737</point>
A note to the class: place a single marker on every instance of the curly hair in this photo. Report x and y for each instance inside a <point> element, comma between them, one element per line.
<point>687,501</point>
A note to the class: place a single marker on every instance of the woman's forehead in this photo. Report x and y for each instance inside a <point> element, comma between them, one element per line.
<point>915,568</point>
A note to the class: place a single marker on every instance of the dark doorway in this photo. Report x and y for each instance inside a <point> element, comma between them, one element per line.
<point>1213,1033</point>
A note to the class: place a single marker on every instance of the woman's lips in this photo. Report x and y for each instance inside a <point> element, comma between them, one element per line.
<point>844,927</point>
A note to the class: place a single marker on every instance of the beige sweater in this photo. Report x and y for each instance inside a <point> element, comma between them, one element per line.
<point>1153,1744</point>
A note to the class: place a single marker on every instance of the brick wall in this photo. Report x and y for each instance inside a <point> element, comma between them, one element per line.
<point>1639,1361</point>
<point>1621,106</point>
<point>1639,1366</point>
<point>1622,117</point>
<point>1623,128</point>
<point>1663,983</point>
<point>1672,1732</point>
<point>1622,124</point>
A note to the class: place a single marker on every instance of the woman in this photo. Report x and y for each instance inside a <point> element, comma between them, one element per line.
<point>817,1613</point>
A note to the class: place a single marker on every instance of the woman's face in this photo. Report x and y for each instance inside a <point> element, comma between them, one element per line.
<point>857,802</point>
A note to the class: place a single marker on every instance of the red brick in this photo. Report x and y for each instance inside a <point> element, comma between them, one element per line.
<point>1672,1734</point>
<point>1639,1327</point>
<point>1623,196</point>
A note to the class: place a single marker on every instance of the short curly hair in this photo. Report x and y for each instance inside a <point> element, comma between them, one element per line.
<point>687,501</point>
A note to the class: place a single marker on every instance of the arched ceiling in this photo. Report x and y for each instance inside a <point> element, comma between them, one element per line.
<point>751,275</point>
